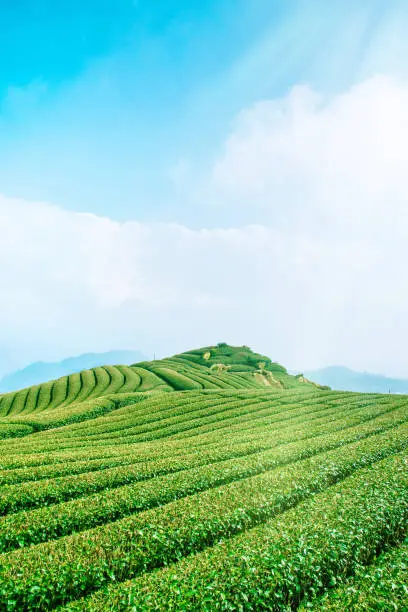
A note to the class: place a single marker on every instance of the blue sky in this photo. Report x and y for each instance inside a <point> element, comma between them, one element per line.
<point>178,173</point>
<point>101,100</point>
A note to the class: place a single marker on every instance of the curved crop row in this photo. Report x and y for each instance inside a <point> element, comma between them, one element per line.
<point>14,497</point>
<point>91,409</point>
<point>14,430</point>
<point>40,466</point>
<point>78,387</point>
<point>209,431</point>
<point>381,586</point>
<point>145,418</point>
<point>311,415</point>
<point>49,440</point>
<point>278,565</point>
<point>55,572</point>
<point>47,523</point>
<point>202,419</point>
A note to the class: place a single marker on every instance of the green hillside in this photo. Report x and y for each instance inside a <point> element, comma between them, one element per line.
<point>90,393</point>
<point>211,480</point>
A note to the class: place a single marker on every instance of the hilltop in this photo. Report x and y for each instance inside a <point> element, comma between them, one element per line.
<point>92,392</point>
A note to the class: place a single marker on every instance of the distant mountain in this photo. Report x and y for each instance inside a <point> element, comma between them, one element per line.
<point>344,379</point>
<point>40,372</point>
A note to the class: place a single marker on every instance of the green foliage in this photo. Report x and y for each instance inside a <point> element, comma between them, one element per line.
<point>164,535</point>
<point>176,380</point>
<point>381,586</point>
<point>276,565</point>
<point>14,430</point>
<point>187,483</point>
<point>188,474</point>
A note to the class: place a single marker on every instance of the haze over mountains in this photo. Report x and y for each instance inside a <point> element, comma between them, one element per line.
<point>344,379</point>
<point>39,372</point>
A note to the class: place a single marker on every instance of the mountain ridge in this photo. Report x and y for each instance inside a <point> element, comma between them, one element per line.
<point>42,371</point>
<point>343,378</point>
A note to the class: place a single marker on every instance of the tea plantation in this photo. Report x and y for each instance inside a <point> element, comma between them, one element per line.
<point>211,480</point>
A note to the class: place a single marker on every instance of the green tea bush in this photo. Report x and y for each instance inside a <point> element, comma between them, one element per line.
<point>168,485</point>
<point>276,566</point>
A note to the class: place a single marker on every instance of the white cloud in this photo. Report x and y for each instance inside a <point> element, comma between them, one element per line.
<point>341,161</point>
<point>74,282</point>
<point>334,171</point>
<point>321,280</point>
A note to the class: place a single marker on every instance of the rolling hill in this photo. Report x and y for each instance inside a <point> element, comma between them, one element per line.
<point>86,394</point>
<point>210,480</point>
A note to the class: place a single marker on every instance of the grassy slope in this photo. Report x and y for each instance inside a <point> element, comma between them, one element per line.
<point>180,484</point>
<point>98,391</point>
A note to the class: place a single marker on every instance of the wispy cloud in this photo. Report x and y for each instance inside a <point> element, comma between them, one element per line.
<point>338,163</point>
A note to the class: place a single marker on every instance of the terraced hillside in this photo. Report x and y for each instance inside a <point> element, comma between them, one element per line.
<point>73,398</point>
<point>211,480</point>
